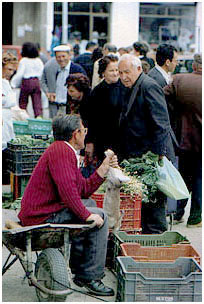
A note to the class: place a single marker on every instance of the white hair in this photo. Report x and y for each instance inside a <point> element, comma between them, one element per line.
<point>136,62</point>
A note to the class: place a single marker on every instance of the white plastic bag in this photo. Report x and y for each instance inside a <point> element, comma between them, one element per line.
<point>115,173</point>
<point>170,181</point>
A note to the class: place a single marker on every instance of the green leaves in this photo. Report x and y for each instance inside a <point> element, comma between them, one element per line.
<point>144,168</point>
<point>12,205</point>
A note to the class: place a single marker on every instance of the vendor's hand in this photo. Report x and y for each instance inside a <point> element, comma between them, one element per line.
<point>110,160</point>
<point>96,218</point>
<point>114,161</point>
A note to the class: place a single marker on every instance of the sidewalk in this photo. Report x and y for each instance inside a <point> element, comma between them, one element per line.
<point>16,289</point>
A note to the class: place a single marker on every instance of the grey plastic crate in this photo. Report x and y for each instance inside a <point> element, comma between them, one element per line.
<point>180,281</point>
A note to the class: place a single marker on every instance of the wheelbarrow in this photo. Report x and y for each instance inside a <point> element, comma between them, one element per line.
<point>51,275</point>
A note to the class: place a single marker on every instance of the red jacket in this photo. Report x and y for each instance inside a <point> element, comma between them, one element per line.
<point>56,183</point>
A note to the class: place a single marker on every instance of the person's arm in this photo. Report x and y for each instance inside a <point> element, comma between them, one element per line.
<point>158,118</point>
<point>170,94</point>
<point>43,82</point>
<point>17,78</point>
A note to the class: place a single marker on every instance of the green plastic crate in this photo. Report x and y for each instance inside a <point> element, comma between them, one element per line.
<point>23,183</point>
<point>179,281</point>
<point>165,239</point>
<point>21,128</point>
<point>39,126</point>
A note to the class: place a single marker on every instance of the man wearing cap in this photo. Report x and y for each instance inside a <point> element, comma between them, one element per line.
<point>184,95</point>
<point>55,73</point>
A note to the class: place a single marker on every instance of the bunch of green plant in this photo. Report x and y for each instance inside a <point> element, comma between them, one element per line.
<point>144,169</point>
<point>13,205</point>
<point>134,186</point>
<point>29,142</point>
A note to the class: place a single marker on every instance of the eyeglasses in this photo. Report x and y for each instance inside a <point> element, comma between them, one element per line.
<point>85,130</point>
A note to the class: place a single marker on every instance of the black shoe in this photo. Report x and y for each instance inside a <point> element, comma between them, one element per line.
<point>95,287</point>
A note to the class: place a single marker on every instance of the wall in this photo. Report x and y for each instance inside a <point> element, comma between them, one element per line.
<point>124,26</point>
<point>198,28</point>
<point>30,23</point>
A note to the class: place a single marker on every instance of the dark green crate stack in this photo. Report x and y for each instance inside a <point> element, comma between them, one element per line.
<point>22,159</point>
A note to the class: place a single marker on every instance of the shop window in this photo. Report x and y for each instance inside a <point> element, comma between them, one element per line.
<point>100,7</point>
<point>57,6</point>
<point>79,24</point>
<point>86,20</point>
<point>78,6</point>
<point>177,29</point>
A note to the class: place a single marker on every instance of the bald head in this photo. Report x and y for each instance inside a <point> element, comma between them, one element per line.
<point>130,68</point>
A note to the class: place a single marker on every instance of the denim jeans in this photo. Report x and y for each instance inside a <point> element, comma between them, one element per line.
<point>88,250</point>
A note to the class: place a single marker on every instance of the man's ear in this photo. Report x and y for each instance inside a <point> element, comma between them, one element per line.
<point>74,134</point>
<point>167,62</point>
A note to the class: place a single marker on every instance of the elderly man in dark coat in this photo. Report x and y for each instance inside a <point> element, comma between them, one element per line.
<point>145,126</point>
<point>184,95</point>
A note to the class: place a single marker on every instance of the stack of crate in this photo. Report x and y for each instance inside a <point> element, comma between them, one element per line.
<point>33,126</point>
<point>156,268</point>
<point>21,161</point>
<point>131,221</point>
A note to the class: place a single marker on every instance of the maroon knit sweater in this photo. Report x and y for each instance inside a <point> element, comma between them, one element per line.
<point>56,183</point>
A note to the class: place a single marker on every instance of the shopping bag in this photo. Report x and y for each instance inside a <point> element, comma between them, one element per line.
<point>170,181</point>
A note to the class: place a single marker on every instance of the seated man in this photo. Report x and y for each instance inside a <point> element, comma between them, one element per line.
<point>53,195</point>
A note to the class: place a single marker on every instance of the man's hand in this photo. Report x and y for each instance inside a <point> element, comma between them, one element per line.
<point>51,96</point>
<point>109,161</point>
<point>96,218</point>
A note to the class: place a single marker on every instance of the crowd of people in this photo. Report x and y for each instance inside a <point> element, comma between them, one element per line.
<point>109,98</point>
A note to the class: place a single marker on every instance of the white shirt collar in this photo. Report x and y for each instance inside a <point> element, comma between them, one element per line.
<point>167,76</point>
<point>76,153</point>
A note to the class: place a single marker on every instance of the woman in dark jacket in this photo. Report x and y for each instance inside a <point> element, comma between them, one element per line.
<point>106,107</point>
<point>78,88</point>
<point>78,102</point>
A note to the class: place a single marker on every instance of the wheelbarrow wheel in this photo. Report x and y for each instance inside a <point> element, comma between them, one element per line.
<point>51,272</point>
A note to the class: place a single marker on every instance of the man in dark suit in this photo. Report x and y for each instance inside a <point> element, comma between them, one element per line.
<point>55,73</point>
<point>85,59</point>
<point>145,126</point>
<point>184,95</point>
<point>166,58</point>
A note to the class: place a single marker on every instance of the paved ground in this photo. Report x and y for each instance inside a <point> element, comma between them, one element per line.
<point>16,289</point>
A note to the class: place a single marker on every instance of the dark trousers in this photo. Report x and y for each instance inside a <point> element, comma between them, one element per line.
<point>88,250</point>
<point>153,216</point>
<point>31,87</point>
<point>190,167</point>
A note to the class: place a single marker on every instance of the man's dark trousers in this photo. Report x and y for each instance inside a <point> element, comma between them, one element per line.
<point>88,250</point>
